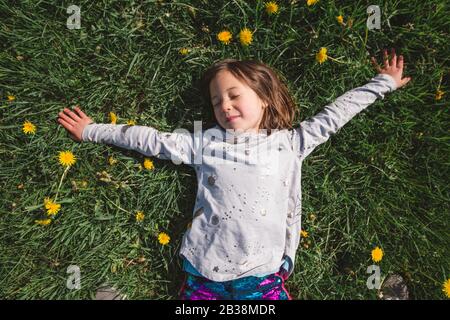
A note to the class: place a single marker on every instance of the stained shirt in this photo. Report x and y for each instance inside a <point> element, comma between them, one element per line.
<point>247,213</point>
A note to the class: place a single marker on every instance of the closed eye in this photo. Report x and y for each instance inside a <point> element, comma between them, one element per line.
<point>215,105</point>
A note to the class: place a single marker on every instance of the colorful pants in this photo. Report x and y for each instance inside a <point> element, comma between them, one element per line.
<point>270,287</point>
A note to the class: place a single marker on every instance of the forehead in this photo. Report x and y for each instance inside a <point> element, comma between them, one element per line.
<point>223,82</point>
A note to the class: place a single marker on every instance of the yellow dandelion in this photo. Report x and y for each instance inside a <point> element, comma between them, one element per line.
<point>377,254</point>
<point>140,216</point>
<point>163,238</point>
<point>224,36</point>
<point>439,94</point>
<point>311,2</point>
<point>84,184</point>
<point>52,207</point>
<point>340,19</point>
<point>304,234</point>
<point>131,122</point>
<point>245,37</point>
<point>43,222</point>
<point>112,161</point>
<point>11,98</point>
<point>271,7</point>
<point>148,164</point>
<point>321,56</point>
<point>28,128</point>
<point>113,117</point>
<point>66,158</point>
<point>446,288</point>
<point>184,51</point>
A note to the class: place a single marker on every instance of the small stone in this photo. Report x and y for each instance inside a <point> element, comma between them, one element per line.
<point>394,288</point>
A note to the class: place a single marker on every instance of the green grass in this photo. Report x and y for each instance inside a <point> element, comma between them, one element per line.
<point>381,181</point>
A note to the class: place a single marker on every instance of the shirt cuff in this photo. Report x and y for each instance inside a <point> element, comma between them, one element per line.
<point>84,134</point>
<point>390,80</point>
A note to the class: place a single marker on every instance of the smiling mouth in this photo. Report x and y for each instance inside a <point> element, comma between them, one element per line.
<point>232,118</point>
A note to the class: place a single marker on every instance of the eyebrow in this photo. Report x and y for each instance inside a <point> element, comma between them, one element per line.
<point>225,90</point>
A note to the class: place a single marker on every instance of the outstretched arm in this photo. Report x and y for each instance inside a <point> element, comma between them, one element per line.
<point>318,129</point>
<point>178,146</point>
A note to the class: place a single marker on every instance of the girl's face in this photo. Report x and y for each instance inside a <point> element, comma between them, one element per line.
<point>236,106</point>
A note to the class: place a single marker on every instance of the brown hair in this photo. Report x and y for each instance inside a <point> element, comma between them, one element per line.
<point>267,84</point>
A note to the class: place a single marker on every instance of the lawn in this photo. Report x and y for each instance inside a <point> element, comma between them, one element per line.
<point>382,181</point>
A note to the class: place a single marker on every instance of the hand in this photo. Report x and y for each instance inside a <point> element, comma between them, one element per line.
<point>74,123</point>
<point>394,68</point>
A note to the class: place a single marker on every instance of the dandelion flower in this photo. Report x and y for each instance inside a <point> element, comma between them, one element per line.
<point>148,164</point>
<point>43,222</point>
<point>184,51</point>
<point>163,238</point>
<point>52,207</point>
<point>304,234</point>
<point>11,98</point>
<point>140,216</point>
<point>112,161</point>
<point>29,128</point>
<point>66,158</point>
<point>321,56</point>
<point>446,288</point>
<point>377,254</point>
<point>245,36</point>
<point>113,117</point>
<point>271,7</point>
<point>340,19</point>
<point>439,94</point>
<point>311,2</point>
<point>224,37</point>
<point>131,122</point>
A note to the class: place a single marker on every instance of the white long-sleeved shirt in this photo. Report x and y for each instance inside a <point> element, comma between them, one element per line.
<point>247,213</point>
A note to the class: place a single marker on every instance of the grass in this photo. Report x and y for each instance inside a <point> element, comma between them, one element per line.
<point>381,181</point>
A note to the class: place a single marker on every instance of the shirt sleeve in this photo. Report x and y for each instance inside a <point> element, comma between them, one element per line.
<point>318,129</point>
<point>180,147</point>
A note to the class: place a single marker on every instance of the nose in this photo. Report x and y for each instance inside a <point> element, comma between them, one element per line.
<point>226,106</point>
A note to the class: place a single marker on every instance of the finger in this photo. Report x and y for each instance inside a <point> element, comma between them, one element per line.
<point>385,59</point>
<point>67,119</point>
<point>393,62</point>
<point>375,64</point>
<point>81,113</point>
<point>72,114</point>
<point>400,62</point>
<point>65,124</point>
<point>404,81</point>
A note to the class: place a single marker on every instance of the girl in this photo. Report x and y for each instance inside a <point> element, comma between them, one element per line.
<point>246,223</point>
